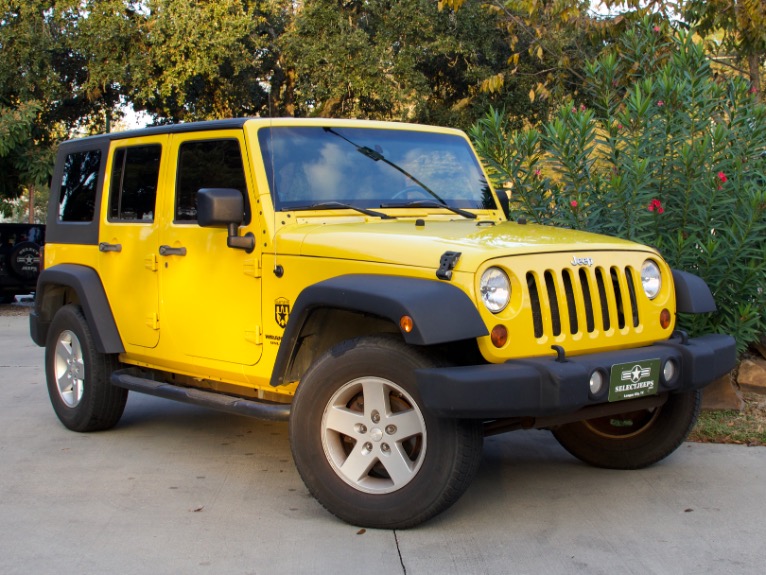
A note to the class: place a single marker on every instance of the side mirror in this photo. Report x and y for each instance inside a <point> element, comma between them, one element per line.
<point>224,208</point>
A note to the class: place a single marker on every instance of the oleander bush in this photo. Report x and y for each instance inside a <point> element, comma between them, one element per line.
<point>660,149</point>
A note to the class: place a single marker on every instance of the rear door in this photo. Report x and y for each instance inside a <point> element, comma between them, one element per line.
<point>128,237</point>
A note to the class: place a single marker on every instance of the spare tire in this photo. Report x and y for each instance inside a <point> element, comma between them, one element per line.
<point>24,260</point>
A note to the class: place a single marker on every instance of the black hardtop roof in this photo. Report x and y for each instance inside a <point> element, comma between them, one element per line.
<point>165,129</point>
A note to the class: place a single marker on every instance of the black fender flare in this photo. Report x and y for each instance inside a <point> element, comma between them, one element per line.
<point>692,293</point>
<point>90,291</point>
<point>441,312</point>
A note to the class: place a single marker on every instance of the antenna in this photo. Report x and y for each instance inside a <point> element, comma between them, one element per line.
<point>278,270</point>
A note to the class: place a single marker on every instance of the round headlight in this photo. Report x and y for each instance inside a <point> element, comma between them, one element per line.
<point>495,289</point>
<point>651,280</point>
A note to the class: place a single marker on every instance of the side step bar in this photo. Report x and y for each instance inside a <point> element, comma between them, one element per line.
<point>230,404</point>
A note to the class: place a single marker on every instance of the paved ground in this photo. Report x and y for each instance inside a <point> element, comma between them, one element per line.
<point>178,489</point>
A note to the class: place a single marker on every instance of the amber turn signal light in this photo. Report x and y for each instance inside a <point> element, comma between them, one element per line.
<point>665,319</point>
<point>499,335</point>
<point>406,323</point>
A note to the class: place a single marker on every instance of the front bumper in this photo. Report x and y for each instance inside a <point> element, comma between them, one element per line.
<point>539,387</point>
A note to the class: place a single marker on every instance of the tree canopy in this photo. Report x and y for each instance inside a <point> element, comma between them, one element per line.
<point>70,66</point>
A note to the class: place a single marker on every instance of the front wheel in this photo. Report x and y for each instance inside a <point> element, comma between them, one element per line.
<point>78,375</point>
<point>632,440</point>
<point>364,445</point>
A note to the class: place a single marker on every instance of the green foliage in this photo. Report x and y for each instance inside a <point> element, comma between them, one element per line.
<point>198,60</point>
<point>395,60</point>
<point>664,153</point>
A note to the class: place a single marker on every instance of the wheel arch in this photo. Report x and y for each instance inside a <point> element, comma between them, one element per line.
<point>441,313</point>
<point>72,283</point>
<point>692,293</point>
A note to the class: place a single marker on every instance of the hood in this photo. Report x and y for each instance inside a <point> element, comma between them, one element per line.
<point>403,242</point>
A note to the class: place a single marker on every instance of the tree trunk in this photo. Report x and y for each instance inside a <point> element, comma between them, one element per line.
<point>31,204</point>
<point>754,63</point>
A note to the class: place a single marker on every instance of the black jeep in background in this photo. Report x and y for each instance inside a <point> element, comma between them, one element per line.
<point>20,259</point>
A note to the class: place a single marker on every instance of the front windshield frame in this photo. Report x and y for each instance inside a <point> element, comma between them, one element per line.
<point>371,167</point>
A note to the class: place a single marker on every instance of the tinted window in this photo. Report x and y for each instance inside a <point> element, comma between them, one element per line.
<point>135,173</point>
<point>208,164</point>
<point>78,186</point>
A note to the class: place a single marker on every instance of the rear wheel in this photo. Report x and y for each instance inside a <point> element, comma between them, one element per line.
<point>632,440</point>
<point>364,445</point>
<point>78,375</point>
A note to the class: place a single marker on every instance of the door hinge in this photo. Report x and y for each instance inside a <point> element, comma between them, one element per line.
<point>150,262</point>
<point>254,336</point>
<point>153,321</point>
<point>252,268</point>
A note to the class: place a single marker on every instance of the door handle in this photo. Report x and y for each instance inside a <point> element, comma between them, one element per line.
<point>107,247</point>
<point>168,251</point>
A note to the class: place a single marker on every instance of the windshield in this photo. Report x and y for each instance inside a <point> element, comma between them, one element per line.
<point>371,168</point>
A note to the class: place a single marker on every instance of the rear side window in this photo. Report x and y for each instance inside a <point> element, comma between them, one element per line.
<point>208,164</point>
<point>79,185</point>
<point>133,190</point>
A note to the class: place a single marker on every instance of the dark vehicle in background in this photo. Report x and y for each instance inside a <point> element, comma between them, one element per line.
<point>20,261</point>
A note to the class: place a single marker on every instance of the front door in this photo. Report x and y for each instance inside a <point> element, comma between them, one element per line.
<point>210,294</point>
<point>128,237</point>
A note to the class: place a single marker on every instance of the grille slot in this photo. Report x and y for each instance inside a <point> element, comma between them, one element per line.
<point>537,313</point>
<point>553,302</point>
<point>589,299</point>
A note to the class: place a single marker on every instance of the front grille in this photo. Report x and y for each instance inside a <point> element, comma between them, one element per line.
<point>593,299</point>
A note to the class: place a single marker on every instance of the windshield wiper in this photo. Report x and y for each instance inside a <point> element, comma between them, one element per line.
<point>430,204</point>
<point>338,206</point>
<point>378,157</point>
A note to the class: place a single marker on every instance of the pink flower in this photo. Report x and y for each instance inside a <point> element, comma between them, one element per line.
<point>538,173</point>
<point>582,107</point>
<point>656,28</point>
<point>656,204</point>
<point>573,203</point>
<point>722,179</point>
<point>574,110</point>
<point>753,90</point>
<point>660,104</point>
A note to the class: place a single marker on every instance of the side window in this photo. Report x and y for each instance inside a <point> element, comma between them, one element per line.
<point>135,173</point>
<point>79,186</point>
<point>208,164</point>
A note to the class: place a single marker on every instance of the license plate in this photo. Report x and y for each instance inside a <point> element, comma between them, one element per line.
<point>634,379</point>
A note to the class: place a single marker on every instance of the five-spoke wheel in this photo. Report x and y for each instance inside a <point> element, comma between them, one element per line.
<point>78,375</point>
<point>366,447</point>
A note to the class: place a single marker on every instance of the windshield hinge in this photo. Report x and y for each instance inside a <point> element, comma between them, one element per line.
<point>447,264</point>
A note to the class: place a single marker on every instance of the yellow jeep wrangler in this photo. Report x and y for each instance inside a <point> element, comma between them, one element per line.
<point>361,280</point>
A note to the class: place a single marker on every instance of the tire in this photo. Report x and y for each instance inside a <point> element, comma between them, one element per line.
<point>632,440</point>
<point>364,445</point>
<point>78,376</point>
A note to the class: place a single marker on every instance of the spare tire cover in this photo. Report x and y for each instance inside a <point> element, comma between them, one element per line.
<point>25,260</point>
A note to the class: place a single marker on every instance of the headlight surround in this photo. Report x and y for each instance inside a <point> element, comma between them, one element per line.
<point>651,279</point>
<point>495,289</point>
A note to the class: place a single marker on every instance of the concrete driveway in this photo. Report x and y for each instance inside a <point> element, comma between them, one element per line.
<point>179,489</point>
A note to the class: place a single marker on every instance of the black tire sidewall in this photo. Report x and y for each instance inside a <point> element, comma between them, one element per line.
<point>416,501</point>
<point>101,404</point>
<point>656,441</point>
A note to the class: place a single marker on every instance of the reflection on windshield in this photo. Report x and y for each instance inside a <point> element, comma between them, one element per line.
<point>369,167</point>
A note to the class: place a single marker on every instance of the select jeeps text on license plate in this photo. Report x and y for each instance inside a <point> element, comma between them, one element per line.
<point>634,379</point>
